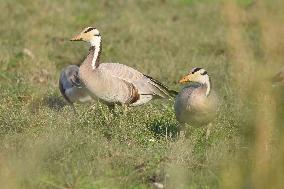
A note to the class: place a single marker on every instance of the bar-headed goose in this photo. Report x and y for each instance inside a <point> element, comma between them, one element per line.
<point>71,88</point>
<point>115,83</point>
<point>196,104</point>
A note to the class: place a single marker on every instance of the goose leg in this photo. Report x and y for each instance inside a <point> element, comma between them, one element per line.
<point>182,134</point>
<point>125,108</point>
<point>73,108</point>
<point>182,131</point>
<point>111,107</point>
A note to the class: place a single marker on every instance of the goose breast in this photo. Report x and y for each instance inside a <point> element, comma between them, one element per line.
<point>193,107</point>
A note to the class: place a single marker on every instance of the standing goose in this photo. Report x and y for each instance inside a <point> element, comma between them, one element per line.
<point>196,104</point>
<point>70,86</point>
<point>115,83</point>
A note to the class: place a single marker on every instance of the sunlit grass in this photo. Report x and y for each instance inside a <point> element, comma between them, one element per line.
<point>44,146</point>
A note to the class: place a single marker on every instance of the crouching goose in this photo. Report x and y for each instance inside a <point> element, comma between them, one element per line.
<point>196,104</point>
<point>70,86</point>
<point>115,83</point>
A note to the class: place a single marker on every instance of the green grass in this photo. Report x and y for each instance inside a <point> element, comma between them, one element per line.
<point>42,144</point>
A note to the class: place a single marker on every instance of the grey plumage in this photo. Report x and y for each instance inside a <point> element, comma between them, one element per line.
<point>70,86</point>
<point>194,104</point>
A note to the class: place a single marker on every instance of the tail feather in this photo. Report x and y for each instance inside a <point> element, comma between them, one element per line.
<point>173,93</point>
<point>164,91</point>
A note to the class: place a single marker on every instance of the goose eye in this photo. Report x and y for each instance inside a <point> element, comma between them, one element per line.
<point>89,29</point>
<point>195,70</point>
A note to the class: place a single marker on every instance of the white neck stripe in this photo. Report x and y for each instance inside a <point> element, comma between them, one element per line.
<point>96,42</point>
<point>205,80</point>
<point>208,88</point>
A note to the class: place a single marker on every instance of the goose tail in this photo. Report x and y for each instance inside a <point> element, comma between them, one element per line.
<point>160,89</point>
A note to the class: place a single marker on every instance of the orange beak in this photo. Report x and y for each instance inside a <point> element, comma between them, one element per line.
<point>76,38</point>
<point>184,79</point>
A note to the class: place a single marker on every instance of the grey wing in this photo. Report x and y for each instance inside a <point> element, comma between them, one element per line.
<point>116,90</point>
<point>145,85</point>
<point>157,88</point>
<point>121,71</point>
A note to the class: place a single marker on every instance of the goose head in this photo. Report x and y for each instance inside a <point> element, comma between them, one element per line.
<point>198,75</point>
<point>89,34</point>
<point>74,78</point>
<point>73,75</point>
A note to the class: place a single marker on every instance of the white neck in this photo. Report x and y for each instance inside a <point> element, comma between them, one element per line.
<point>96,42</point>
<point>208,87</point>
<point>206,81</point>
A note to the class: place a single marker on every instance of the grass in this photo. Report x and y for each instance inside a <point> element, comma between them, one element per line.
<point>44,146</point>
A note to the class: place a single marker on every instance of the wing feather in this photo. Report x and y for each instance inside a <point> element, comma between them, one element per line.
<point>145,84</point>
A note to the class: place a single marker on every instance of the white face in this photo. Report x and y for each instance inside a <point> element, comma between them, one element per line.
<point>91,31</point>
<point>89,34</point>
<point>198,75</point>
<point>198,71</point>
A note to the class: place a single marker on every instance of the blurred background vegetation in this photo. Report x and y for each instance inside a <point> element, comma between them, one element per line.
<point>239,43</point>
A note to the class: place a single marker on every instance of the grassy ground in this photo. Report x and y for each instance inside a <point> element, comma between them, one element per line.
<point>42,145</point>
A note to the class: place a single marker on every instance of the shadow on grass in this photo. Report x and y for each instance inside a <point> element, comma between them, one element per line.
<point>164,128</point>
<point>54,102</point>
